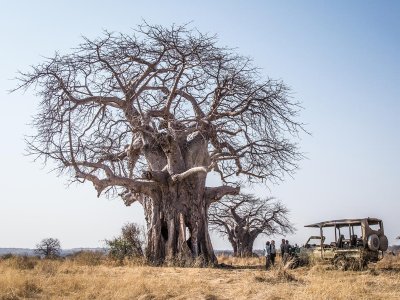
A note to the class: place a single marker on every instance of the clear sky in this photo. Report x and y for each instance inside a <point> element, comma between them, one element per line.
<point>341,59</point>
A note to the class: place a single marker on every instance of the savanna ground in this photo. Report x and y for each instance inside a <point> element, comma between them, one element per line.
<point>91,276</point>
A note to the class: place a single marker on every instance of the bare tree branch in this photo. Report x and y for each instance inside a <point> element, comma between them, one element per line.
<point>214,194</point>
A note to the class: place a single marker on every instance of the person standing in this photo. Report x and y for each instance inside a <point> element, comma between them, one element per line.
<point>288,247</point>
<point>267,253</point>
<point>273,252</point>
<point>286,251</point>
<point>282,248</point>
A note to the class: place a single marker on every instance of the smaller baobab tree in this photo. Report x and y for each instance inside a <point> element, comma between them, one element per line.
<point>48,248</point>
<point>242,218</point>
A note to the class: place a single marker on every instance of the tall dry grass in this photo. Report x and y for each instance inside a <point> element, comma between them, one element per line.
<point>88,276</point>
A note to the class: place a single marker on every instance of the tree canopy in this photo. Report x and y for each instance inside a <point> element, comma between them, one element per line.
<point>123,103</point>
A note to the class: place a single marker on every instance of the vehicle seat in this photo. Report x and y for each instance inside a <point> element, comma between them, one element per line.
<point>340,241</point>
<point>353,240</point>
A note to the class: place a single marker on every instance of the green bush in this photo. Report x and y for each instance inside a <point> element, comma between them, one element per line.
<point>128,245</point>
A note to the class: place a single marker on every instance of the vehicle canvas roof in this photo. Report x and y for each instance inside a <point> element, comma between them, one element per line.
<point>344,222</point>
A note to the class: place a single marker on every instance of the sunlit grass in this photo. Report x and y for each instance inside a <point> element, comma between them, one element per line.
<point>92,276</point>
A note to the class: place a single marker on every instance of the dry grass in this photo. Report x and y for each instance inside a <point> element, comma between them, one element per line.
<point>244,262</point>
<point>89,277</point>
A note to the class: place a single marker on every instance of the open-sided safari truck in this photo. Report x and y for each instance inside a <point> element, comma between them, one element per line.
<point>356,242</point>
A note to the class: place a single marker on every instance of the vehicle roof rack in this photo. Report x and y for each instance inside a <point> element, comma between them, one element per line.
<point>344,222</point>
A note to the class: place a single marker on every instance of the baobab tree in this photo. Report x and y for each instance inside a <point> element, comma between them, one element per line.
<point>148,115</point>
<point>48,248</point>
<point>242,218</point>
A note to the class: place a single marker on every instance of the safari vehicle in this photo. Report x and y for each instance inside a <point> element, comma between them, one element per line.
<point>356,242</point>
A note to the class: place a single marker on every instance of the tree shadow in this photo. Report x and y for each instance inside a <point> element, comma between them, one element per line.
<point>240,267</point>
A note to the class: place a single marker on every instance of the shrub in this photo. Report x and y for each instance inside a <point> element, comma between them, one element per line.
<point>129,244</point>
<point>7,256</point>
<point>22,262</point>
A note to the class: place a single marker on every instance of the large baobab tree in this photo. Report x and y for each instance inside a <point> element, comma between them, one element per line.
<point>147,116</point>
<point>242,218</point>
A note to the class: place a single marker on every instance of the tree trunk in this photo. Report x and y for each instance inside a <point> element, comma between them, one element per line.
<point>178,225</point>
<point>247,250</point>
<point>234,245</point>
<point>245,245</point>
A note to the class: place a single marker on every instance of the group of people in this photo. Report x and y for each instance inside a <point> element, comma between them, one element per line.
<point>286,251</point>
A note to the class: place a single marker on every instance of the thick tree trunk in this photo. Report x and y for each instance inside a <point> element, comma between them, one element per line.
<point>234,245</point>
<point>178,225</point>
<point>246,250</point>
<point>245,244</point>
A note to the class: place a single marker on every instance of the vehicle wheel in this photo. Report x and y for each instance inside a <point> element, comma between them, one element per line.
<point>363,264</point>
<point>373,242</point>
<point>353,264</point>
<point>341,263</point>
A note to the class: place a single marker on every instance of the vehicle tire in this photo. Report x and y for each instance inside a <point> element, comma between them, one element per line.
<point>353,264</point>
<point>341,263</point>
<point>373,242</point>
<point>383,243</point>
<point>363,264</point>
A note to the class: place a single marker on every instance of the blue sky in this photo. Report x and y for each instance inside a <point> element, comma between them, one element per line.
<point>341,59</point>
